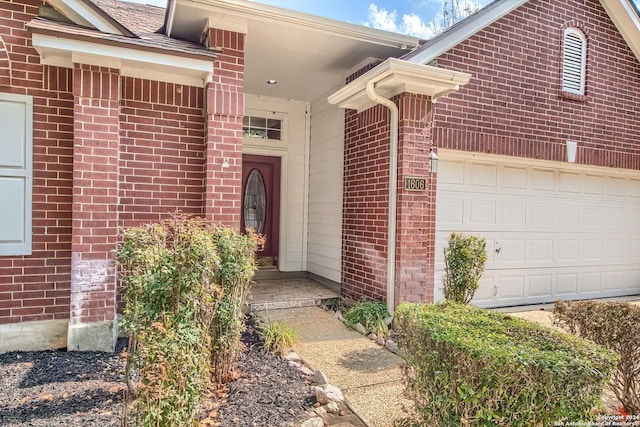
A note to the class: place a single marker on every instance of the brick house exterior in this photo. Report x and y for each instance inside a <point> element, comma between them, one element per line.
<point>138,114</point>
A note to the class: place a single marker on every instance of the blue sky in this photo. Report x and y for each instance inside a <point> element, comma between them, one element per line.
<point>402,16</point>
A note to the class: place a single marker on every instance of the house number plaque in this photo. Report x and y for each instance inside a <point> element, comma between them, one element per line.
<point>413,183</point>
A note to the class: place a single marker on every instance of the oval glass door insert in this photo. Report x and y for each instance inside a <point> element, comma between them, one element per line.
<point>255,202</point>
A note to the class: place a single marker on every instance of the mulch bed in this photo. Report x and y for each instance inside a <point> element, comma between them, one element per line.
<point>79,389</point>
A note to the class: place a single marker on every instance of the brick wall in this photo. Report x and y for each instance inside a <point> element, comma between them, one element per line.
<point>161,151</point>
<point>95,193</point>
<point>513,106</point>
<point>415,243</point>
<point>37,287</point>
<point>365,203</point>
<point>223,136</point>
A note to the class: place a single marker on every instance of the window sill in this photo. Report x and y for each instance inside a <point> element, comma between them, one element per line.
<point>573,96</point>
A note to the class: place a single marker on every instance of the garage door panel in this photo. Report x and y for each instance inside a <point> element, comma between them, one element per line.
<point>543,179</point>
<point>592,216</point>
<point>484,175</point>
<point>612,281</point>
<point>567,249</point>
<point>451,172</point>
<point>631,280</point>
<point>540,285</point>
<point>514,177</point>
<point>633,188</point>
<point>567,284</point>
<point>450,212</point>
<point>569,182</point>
<point>591,283</point>
<point>482,212</point>
<point>591,250</point>
<point>561,233</point>
<point>593,184</point>
<point>616,186</point>
<point>541,250</point>
<point>542,214</point>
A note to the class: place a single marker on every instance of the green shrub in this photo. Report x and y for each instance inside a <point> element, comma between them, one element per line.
<point>171,295</point>
<point>236,268</point>
<point>465,366</point>
<point>616,326</point>
<point>279,337</point>
<point>371,315</point>
<point>464,257</point>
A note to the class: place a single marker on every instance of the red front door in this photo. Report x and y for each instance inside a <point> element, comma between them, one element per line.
<point>261,199</point>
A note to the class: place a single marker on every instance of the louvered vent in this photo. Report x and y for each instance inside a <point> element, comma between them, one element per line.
<point>573,66</point>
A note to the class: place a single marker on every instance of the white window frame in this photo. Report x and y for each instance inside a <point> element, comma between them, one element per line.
<point>574,61</point>
<point>22,247</point>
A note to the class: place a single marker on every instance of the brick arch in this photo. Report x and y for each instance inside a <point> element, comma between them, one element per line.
<point>5,65</point>
<point>578,25</point>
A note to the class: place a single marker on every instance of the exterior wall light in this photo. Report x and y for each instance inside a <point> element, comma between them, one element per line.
<point>433,162</point>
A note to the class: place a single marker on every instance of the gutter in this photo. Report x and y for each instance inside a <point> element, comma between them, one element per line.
<point>393,190</point>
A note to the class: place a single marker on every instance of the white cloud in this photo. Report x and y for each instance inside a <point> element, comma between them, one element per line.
<point>413,24</point>
<point>383,19</point>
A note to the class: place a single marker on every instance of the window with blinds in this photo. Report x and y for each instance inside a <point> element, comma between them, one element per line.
<point>574,58</point>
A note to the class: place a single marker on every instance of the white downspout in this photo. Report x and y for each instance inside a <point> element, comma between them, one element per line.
<point>393,189</point>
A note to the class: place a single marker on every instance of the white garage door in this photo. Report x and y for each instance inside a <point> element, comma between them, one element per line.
<point>554,231</point>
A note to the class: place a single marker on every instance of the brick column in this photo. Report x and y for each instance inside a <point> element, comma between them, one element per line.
<point>95,202</point>
<point>223,136</point>
<point>415,250</point>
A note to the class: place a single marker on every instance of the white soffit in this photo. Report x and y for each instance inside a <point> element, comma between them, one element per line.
<point>626,20</point>
<point>82,14</point>
<point>395,76</point>
<point>63,52</point>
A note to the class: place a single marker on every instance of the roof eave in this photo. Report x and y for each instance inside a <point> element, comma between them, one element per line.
<point>246,9</point>
<point>626,19</point>
<point>395,76</point>
<point>65,50</point>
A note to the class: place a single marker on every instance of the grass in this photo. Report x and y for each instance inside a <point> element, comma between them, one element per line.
<point>279,337</point>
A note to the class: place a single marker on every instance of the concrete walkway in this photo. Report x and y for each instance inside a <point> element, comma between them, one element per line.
<point>367,374</point>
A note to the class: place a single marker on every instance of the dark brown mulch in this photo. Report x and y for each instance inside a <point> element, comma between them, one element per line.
<point>81,389</point>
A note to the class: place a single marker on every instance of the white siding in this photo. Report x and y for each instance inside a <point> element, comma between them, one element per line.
<point>293,180</point>
<point>326,162</point>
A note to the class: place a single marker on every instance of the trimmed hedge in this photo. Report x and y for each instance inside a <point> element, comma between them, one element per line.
<point>616,326</point>
<point>466,366</point>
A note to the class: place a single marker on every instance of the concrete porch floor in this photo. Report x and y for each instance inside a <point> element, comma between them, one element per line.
<point>276,291</point>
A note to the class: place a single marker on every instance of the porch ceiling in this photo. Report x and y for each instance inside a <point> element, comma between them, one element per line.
<point>308,56</point>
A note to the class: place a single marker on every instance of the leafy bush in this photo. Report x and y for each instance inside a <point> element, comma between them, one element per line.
<point>371,315</point>
<point>168,270</point>
<point>279,337</point>
<point>465,366</point>
<point>236,268</point>
<point>616,326</point>
<point>464,257</point>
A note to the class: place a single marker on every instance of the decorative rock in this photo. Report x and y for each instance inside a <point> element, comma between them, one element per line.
<point>339,316</point>
<point>321,378</point>
<point>321,411</point>
<point>313,422</point>
<point>341,413</point>
<point>306,371</point>
<point>327,393</point>
<point>293,357</point>
<point>372,336</point>
<point>358,327</point>
<point>391,346</point>
<point>295,364</point>
<point>380,341</point>
<point>332,407</point>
